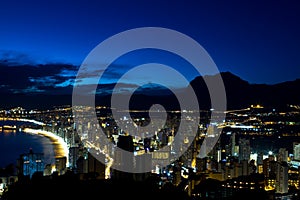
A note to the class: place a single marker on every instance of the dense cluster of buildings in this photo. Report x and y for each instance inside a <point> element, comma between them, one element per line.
<point>234,163</point>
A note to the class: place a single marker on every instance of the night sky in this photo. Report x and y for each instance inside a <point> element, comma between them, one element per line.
<point>42,43</point>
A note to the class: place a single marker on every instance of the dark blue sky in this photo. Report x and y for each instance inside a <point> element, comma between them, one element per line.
<point>258,41</point>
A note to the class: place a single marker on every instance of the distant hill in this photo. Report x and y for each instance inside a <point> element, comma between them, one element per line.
<point>239,93</point>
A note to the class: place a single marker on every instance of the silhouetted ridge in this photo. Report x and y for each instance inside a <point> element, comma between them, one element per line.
<point>239,94</point>
<point>235,89</point>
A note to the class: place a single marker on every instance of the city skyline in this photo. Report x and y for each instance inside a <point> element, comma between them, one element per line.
<point>257,152</point>
<point>163,99</point>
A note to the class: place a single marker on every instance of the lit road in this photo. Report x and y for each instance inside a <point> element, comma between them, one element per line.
<point>109,162</point>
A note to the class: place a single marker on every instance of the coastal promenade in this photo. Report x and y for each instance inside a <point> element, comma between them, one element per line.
<point>59,145</point>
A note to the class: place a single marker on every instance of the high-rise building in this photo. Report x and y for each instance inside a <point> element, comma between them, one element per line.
<point>282,155</point>
<point>143,164</point>
<point>95,166</point>
<point>260,158</point>
<point>73,157</point>
<point>82,165</point>
<point>30,163</point>
<point>244,149</point>
<point>232,144</point>
<point>282,178</point>
<point>163,137</point>
<point>296,149</point>
<point>48,170</point>
<point>123,157</point>
<point>125,142</point>
<point>176,174</point>
<point>259,163</point>
<point>245,167</point>
<point>60,165</point>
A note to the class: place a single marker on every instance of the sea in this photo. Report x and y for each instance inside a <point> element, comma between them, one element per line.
<point>13,143</point>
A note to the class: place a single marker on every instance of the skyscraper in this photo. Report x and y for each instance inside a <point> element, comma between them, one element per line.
<point>296,148</point>
<point>282,155</point>
<point>30,163</point>
<point>259,162</point>
<point>123,160</point>
<point>60,165</point>
<point>281,183</point>
<point>232,144</point>
<point>95,166</point>
<point>73,157</point>
<point>244,149</point>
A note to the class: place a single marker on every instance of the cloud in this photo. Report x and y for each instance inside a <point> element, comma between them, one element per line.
<point>29,78</point>
<point>105,89</point>
<point>15,58</point>
<point>3,86</point>
<point>66,83</point>
<point>30,89</point>
<point>20,75</point>
<point>91,74</point>
<point>43,81</point>
<point>19,78</point>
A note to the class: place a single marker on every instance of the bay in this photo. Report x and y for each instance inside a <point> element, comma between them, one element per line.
<point>13,143</point>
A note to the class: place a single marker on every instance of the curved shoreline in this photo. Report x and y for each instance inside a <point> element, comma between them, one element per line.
<point>59,145</point>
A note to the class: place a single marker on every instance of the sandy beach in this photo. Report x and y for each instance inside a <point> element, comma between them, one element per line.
<point>59,145</point>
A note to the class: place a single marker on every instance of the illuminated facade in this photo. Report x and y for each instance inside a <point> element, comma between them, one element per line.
<point>282,178</point>
<point>125,143</point>
<point>60,165</point>
<point>73,157</point>
<point>296,151</point>
<point>244,149</point>
<point>31,163</point>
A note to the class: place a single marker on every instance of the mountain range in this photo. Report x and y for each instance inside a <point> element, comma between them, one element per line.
<point>239,94</point>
